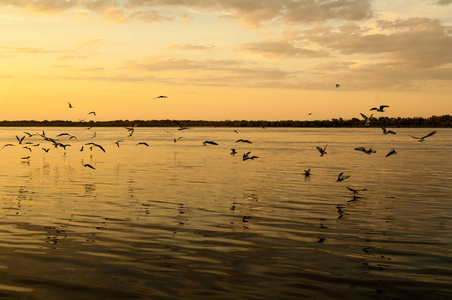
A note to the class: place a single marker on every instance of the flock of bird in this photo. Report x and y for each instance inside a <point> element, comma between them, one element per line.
<point>246,156</point>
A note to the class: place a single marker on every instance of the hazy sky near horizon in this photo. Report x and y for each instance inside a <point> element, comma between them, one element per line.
<point>224,59</point>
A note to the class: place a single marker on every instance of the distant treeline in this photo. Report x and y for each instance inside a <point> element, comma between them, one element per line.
<point>434,121</point>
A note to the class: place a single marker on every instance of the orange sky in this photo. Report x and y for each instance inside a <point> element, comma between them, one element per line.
<point>218,60</point>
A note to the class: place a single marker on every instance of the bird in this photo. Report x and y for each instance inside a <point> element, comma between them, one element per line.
<point>392,152</point>
<point>142,143</point>
<point>243,141</point>
<point>307,172</point>
<point>180,126</point>
<point>89,166</point>
<point>421,139</point>
<point>20,139</point>
<point>247,156</point>
<point>341,177</point>
<point>29,134</point>
<point>92,112</point>
<point>356,191</point>
<point>338,85</point>
<point>25,157</point>
<point>175,140</point>
<point>28,148</point>
<point>385,131</point>
<point>61,134</point>
<point>161,97</point>
<point>322,151</point>
<point>367,119</point>
<point>6,145</point>
<point>97,145</point>
<point>209,142</point>
<point>233,152</point>
<point>70,105</point>
<point>117,142</point>
<point>369,151</point>
<point>46,149</point>
<point>236,131</point>
<point>380,109</point>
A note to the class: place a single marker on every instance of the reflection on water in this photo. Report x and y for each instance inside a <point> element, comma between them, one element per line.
<point>183,220</point>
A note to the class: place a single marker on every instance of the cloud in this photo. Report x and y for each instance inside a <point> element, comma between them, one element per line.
<point>24,50</point>
<point>411,43</point>
<point>250,12</point>
<point>443,2</point>
<point>280,49</point>
<point>191,47</point>
<point>208,72</point>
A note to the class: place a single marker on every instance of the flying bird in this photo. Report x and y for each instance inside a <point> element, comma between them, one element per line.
<point>209,142</point>
<point>247,156</point>
<point>341,177</point>
<point>28,148</point>
<point>380,109</point>
<point>142,143</point>
<point>385,131</point>
<point>70,105</point>
<point>307,172</point>
<point>6,145</point>
<point>89,166</point>
<point>392,152</point>
<point>356,191</point>
<point>243,141</point>
<point>117,142</point>
<point>161,97</point>
<point>20,139</point>
<point>322,151</point>
<point>367,119</point>
<point>175,140</point>
<point>338,85</point>
<point>369,151</point>
<point>421,139</point>
<point>97,145</point>
<point>180,126</point>
<point>46,149</point>
<point>233,152</point>
<point>92,112</point>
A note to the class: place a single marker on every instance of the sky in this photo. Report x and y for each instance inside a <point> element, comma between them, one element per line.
<point>224,59</point>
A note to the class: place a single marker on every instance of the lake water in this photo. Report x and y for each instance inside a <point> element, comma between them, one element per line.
<point>179,220</point>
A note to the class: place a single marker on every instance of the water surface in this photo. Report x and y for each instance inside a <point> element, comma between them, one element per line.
<point>183,220</point>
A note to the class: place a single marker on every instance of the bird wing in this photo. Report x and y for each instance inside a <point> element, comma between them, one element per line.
<point>340,175</point>
<point>373,108</point>
<point>364,116</point>
<point>414,137</point>
<point>430,134</point>
<point>383,106</point>
<point>360,149</point>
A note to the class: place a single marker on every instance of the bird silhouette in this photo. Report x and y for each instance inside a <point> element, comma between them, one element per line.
<point>322,151</point>
<point>89,166</point>
<point>392,152</point>
<point>421,139</point>
<point>247,156</point>
<point>92,113</point>
<point>209,142</point>
<point>385,131</point>
<point>367,119</point>
<point>341,177</point>
<point>70,105</point>
<point>7,145</point>
<point>117,142</point>
<point>380,109</point>
<point>180,126</point>
<point>161,97</point>
<point>142,143</point>
<point>368,151</point>
<point>20,139</point>
<point>338,85</point>
<point>243,141</point>
<point>96,145</point>
<point>233,152</point>
<point>307,172</point>
<point>356,191</point>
